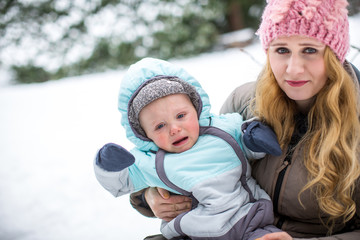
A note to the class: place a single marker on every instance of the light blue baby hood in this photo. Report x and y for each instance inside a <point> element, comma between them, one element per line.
<point>136,77</point>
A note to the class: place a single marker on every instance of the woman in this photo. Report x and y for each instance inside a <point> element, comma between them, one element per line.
<point>309,94</point>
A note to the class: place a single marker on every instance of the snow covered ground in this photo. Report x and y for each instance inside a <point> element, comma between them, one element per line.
<point>50,132</point>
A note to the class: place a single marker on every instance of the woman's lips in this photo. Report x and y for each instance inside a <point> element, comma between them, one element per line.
<point>180,141</point>
<point>296,83</point>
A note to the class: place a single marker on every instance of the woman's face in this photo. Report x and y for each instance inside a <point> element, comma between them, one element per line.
<point>298,66</point>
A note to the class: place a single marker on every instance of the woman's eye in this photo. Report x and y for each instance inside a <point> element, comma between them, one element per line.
<point>181,115</point>
<point>310,50</point>
<point>282,50</point>
<point>160,126</point>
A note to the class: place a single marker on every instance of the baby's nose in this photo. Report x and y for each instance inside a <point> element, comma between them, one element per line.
<point>174,129</point>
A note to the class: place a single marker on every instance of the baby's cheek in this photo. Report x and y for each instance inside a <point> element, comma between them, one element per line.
<point>194,128</point>
<point>161,141</point>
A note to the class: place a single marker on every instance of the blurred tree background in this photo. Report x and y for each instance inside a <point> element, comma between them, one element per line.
<point>51,39</point>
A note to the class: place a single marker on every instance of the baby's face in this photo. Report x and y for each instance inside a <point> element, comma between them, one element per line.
<point>171,122</point>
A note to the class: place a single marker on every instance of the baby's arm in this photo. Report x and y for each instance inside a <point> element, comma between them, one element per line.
<point>113,157</point>
<point>111,169</point>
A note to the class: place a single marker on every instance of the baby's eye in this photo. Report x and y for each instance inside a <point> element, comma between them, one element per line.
<point>159,126</point>
<point>282,50</point>
<point>310,50</point>
<point>181,115</point>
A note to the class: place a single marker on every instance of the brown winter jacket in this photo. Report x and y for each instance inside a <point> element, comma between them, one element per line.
<point>290,216</point>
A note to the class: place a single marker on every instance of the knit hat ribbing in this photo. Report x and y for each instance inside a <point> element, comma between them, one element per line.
<point>155,88</point>
<point>324,20</point>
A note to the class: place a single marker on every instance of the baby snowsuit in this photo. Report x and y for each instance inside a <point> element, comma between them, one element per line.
<point>228,204</point>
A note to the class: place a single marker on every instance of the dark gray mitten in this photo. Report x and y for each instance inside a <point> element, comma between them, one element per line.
<point>259,137</point>
<point>113,158</point>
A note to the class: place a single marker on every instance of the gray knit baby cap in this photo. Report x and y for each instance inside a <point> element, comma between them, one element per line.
<point>155,88</point>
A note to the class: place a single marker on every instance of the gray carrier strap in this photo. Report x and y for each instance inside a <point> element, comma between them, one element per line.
<point>160,170</point>
<point>235,145</point>
<point>209,130</point>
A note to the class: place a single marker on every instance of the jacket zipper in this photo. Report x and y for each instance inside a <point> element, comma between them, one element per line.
<point>278,185</point>
<point>301,127</point>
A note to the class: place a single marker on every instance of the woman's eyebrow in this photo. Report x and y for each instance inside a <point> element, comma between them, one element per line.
<point>300,44</point>
<point>277,44</point>
<point>311,44</point>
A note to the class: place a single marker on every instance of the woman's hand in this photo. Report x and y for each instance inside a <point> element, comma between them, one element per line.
<point>276,236</point>
<point>166,206</point>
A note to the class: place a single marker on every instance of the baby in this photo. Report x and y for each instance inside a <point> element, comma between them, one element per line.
<point>182,147</point>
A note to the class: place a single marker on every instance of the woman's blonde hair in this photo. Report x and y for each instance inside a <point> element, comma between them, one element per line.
<point>332,138</point>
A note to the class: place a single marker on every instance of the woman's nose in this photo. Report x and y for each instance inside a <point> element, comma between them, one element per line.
<point>295,65</point>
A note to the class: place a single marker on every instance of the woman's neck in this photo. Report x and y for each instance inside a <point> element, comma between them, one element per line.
<point>305,105</point>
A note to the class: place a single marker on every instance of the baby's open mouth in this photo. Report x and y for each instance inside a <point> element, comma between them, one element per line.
<point>179,142</point>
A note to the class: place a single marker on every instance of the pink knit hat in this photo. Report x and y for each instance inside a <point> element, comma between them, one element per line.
<point>324,20</point>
